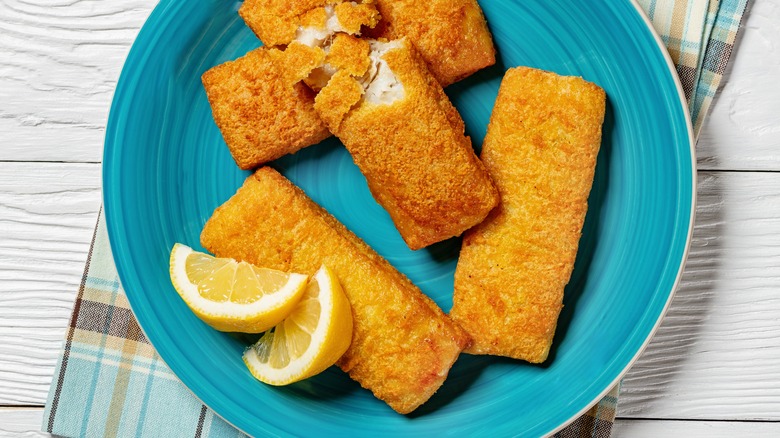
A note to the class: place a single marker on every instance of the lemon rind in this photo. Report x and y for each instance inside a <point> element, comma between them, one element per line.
<point>292,373</point>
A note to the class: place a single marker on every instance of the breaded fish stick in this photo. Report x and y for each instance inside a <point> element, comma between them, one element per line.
<point>409,142</point>
<point>541,146</point>
<point>402,345</point>
<point>261,107</point>
<point>258,101</point>
<point>451,35</point>
<point>279,22</point>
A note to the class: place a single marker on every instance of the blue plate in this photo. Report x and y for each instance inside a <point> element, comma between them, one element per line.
<point>166,168</point>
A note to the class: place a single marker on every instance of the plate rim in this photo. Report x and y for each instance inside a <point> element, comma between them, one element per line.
<point>157,14</point>
<point>689,238</point>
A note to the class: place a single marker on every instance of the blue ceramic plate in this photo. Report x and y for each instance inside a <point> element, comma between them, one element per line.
<point>166,168</point>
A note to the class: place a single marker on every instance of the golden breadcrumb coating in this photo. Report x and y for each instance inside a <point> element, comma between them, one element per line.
<point>316,18</point>
<point>260,106</point>
<point>298,60</point>
<point>402,345</point>
<point>541,147</point>
<point>342,93</point>
<point>413,152</point>
<point>350,54</point>
<point>451,35</point>
<point>353,15</point>
<point>275,22</point>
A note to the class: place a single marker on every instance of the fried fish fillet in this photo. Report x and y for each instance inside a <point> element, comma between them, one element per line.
<point>451,35</point>
<point>403,345</point>
<point>279,22</point>
<point>259,103</point>
<point>541,147</point>
<point>408,141</point>
<point>261,107</point>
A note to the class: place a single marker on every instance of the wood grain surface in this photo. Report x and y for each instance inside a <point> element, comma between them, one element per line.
<point>711,370</point>
<point>59,65</point>
<point>47,214</point>
<point>717,352</point>
<point>743,130</point>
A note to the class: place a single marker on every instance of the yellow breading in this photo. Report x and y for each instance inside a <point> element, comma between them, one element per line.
<point>298,60</point>
<point>541,147</point>
<point>402,345</point>
<point>413,152</point>
<point>316,18</point>
<point>262,109</point>
<point>352,15</point>
<point>342,93</point>
<point>350,54</point>
<point>275,22</point>
<point>451,35</point>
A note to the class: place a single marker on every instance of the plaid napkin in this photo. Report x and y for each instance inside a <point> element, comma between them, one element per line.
<point>110,381</point>
<point>699,35</point>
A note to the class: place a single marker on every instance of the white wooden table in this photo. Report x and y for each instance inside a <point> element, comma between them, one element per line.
<point>713,369</point>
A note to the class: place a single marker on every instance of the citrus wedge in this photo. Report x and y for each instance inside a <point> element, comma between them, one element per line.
<point>234,296</point>
<point>312,338</point>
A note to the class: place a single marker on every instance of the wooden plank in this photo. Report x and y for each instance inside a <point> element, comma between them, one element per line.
<point>693,429</point>
<point>21,422</point>
<point>716,354</point>
<point>26,422</point>
<point>59,64</point>
<point>742,129</point>
<point>47,216</point>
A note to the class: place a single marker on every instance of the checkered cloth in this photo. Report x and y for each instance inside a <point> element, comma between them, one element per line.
<point>110,381</point>
<point>699,35</point>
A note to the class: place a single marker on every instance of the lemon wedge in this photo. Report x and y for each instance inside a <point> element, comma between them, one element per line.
<point>312,338</point>
<point>234,296</point>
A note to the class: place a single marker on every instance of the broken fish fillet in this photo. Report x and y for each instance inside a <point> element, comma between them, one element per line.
<point>451,35</point>
<point>258,101</point>
<point>261,107</point>
<point>402,344</point>
<point>541,147</point>
<point>279,22</point>
<point>408,141</point>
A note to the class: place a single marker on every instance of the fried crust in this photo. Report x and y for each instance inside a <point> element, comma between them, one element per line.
<point>541,147</point>
<point>352,16</point>
<point>297,61</point>
<point>342,94</point>
<point>418,163</point>
<point>350,54</point>
<point>275,22</point>
<point>451,35</point>
<point>402,345</point>
<point>261,108</point>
